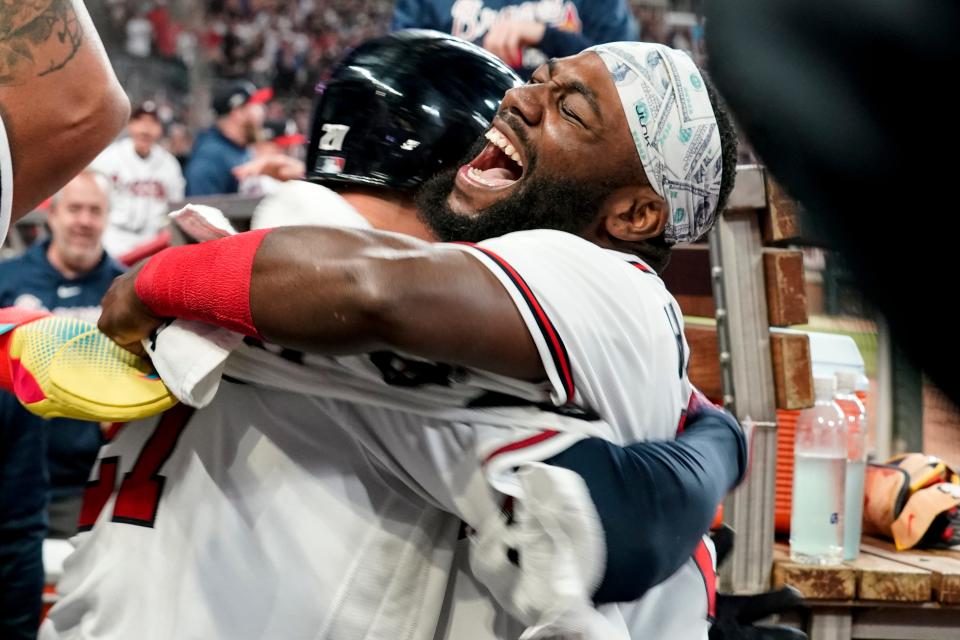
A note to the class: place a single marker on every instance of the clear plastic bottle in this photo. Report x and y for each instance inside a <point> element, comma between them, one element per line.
<point>856,417</point>
<point>819,478</point>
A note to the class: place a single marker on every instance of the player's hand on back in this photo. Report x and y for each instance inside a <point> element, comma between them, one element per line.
<point>125,319</point>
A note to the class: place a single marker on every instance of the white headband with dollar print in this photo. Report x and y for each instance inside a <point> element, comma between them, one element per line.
<point>674,129</point>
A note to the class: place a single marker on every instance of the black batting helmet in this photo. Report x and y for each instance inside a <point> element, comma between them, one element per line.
<point>401,107</point>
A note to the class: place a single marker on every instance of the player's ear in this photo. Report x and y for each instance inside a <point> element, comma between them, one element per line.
<point>634,213</point>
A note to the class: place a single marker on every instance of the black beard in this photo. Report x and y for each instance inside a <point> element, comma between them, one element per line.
<point>543,202</point>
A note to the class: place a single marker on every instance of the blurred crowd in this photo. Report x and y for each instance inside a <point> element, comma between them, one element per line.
<point>285,43</point>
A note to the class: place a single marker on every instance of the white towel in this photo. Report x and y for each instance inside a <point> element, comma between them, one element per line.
<point>190,356</point>
<point>202,222</point>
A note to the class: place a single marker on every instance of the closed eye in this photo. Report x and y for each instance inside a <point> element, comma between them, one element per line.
<point>567,111</point>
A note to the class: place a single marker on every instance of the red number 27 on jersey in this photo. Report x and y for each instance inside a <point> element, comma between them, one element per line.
<point>139,495</point>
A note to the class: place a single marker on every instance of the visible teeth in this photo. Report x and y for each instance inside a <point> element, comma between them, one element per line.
<point>476,175</point>
<point>501,141</point>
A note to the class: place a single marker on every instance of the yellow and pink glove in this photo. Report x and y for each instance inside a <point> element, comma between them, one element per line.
<point>65,367</point>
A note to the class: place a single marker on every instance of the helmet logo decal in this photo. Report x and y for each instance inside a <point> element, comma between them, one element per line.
<point>330,165</point>
<point>333,135</point>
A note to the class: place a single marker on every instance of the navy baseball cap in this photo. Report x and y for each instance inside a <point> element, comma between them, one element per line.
<point>238,94</point>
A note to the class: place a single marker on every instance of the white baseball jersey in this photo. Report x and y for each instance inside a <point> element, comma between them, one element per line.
<point>293,204</point>
<point>6,183</point>
<point>326,513</point>
<point>143,188</point>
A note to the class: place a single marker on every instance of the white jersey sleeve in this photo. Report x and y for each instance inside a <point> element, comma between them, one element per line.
<point>303,203</point>
<point>609,334</point>
<point>6,183</point>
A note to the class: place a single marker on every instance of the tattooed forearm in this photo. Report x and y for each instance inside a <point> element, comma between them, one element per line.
<point>37,37</point>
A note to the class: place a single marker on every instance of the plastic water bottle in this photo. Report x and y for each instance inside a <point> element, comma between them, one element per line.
<point>856,417</point>
<point>819,477</point>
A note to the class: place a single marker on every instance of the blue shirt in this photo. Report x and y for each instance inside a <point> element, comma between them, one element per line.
<point>212,160</point>
<point>31,281</point>
<point>571,26</point>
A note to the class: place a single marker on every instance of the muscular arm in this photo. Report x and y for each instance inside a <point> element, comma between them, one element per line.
<point>59,99</point>
<point>334,291</point>
<point>326,290</point>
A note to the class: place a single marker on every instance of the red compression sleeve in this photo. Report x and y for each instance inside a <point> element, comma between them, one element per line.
<point>208,282</point>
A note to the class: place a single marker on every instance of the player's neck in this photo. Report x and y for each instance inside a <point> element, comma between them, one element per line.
<point>388,212</point>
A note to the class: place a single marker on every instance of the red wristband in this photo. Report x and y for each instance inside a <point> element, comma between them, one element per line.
<point>208,282</point>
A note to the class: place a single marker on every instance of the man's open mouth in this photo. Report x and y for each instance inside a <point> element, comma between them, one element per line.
<point>498,165</point>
